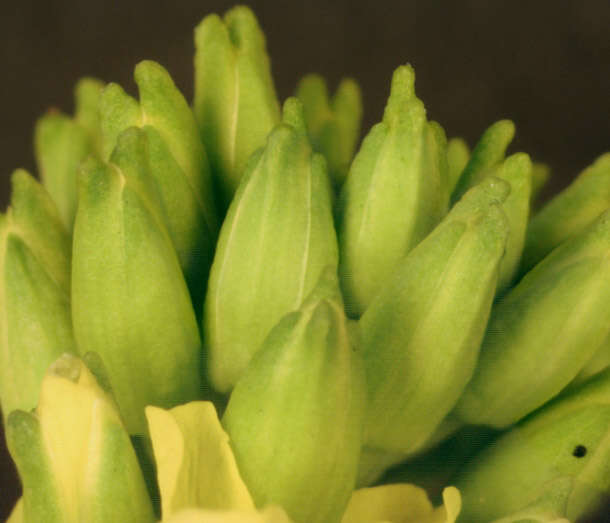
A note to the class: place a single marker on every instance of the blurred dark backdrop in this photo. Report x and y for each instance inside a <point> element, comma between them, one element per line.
<point>545,64</point>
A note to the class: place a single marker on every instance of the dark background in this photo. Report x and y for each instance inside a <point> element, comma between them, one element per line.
<point>545,64</point>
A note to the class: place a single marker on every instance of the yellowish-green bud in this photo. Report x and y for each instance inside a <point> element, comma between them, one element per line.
<point>568,213</point>
<point>178,165</point>
<point>395,193</point>
<point>421,335</point>
<point>130,301</point>
<point>73,454</point>
<point>543,331</point>
<point>333,124</point>
<point>35,324</point>
<point>555,464</point>
<point>517,171</point>
<point>195,464</point>
<point>487,154</point>
<point>458,154</point>
<point>87,95</point>
<point>401,503</point>
<point>541,174</point>
<point>274,243</point>
<point>295,417</point>
<point>62,143</point>
<point>235,102</point>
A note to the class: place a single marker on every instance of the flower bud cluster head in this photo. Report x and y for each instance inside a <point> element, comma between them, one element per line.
<point>233,311</point>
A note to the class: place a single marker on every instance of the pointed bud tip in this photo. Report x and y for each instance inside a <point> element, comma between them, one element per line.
<point>292,114</point>
<point>403,82</point>
<point>67,366</point>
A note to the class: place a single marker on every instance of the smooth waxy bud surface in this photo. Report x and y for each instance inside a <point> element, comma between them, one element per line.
<point>67,452</point>
<point>543,331</point>
<point>333,124</point>
<point>568,213</point>
<point>295,417</point>
<point>555,464</point>
<point>274,243</point>
<point>235,102</point>
<point>35,324</point>
<point>130,301</point>
<point>178,165</point>
<point>421,335</point>
<point>395,193</point>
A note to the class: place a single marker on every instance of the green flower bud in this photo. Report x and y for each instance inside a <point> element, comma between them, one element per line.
<point>394,195</point>
<point>62,143</point>
<point>568,213</point>
<point>556,462</point>
<point>87,95</point>
<point>421,334</point>
<point>543,331</point>
<point>541,174</point>
<point>333,125</point>
<point>178,165</point>
<point>35,323</point>
<point>67,453</point>
<point>295,417</point>
<point>235,101</point>
<point>517,171</point>
<point>130,301</point>
<point>599,362</point>
<point>274,243</point>
<point>195,464</point>
<point>401,503</point>
<point>488,153</point>
<point>458,155</point>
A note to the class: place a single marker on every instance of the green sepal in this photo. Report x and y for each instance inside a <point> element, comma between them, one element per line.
<point>517,171</point>
<point>67,452</point>
<point>421,334</point>
<point>333,124</point>
<point>195,464</point>
<point>395,193</point>
<point>543,331</point>
<point>178,165</point>
<point>556,460</point>
<point>274,243</point>
<point>235,102</point>
<point>35,324</point>
<point>295,417</point>
<point>458,154</point>
<point>488,153</point>
<point>568,213</point>
<point>130,300</point>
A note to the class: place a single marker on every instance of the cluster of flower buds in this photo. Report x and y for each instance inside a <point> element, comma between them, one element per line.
<point>230,312</point>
